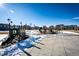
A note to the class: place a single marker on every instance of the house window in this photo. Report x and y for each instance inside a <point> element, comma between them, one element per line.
<point>5,26</point>
<point>0,25</point>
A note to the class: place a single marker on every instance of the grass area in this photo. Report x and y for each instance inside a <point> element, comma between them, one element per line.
<point>4,32</point>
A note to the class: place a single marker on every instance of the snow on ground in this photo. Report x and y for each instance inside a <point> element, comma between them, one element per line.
<point>68,32</point>
<point>10,51</point>
<point>32,32</point>
<point>18,48</point>
<point>3,36</point>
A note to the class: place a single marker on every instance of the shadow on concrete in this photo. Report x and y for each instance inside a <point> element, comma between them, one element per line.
<point>40,43</point>
<point>26,53</point>
<point>36,47</point>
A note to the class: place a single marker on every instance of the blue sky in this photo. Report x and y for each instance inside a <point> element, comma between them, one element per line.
<point>40,13</point>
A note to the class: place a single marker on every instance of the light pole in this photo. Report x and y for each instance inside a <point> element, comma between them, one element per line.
<point>21,24</point>
<point>21,27</point>
<point>9,21</point>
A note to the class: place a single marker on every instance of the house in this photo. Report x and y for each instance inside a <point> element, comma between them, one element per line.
<point>4,27</point>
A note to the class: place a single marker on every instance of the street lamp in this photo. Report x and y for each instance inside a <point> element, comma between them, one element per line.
<point>9,21</point>
<point>21,24</point>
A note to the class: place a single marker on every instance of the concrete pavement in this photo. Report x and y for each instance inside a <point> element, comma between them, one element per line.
<point>56,45</point>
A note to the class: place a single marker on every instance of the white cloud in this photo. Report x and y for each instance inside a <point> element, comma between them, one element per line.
<point>12,11</point>
<point>75,18</point>
<point>1,4</point>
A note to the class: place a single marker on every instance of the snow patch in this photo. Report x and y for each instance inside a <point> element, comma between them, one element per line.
<point>16,49</point>
<point>69,32</point>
